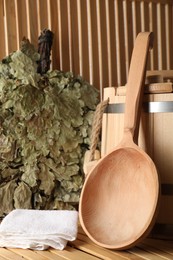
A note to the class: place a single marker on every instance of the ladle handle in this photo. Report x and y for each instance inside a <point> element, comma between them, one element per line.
<point>136,80</point>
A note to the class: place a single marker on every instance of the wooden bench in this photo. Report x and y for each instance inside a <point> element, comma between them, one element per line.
<point>84,249</point>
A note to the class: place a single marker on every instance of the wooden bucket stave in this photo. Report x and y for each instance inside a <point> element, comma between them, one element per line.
<point>155,137</point>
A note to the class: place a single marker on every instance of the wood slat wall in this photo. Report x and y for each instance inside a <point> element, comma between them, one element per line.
<point>93,38</point>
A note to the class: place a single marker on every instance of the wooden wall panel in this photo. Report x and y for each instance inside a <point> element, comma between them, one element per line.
<point>112,72</point>
<point>42,8</point>
<point>2,30</point>
<point>93,38</point>
<point>21,21</point>
<point>63,34</point>
<point>93,43</point>
<point>153,27</point>
<point>32,20</point>
<point>83,31</point>
<point>10,25</point>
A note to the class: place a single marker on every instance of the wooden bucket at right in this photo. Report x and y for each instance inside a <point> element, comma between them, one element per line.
<point>155,137</point>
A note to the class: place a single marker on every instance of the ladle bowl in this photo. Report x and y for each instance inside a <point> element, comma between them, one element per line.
<point>119,199</point>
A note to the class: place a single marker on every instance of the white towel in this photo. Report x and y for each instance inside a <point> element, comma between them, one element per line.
<point>38,229</point>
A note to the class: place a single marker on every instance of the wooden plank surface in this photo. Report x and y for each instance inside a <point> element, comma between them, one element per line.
<point>93,38</point>
<point>10,25</point>
<point>83,248</point>
<point>2,30</point>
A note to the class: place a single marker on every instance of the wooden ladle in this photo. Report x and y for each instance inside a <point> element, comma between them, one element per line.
<point>119,198</point>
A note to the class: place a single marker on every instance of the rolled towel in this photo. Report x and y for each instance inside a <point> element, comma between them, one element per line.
<point>38,229</point>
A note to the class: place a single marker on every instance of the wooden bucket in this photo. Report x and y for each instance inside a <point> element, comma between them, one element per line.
<point>155,137</point>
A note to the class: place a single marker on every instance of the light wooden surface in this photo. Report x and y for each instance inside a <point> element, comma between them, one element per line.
<point>155,137</point>
<point>120,193</point>
<point>84,249</point>
<point>93,38</point>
